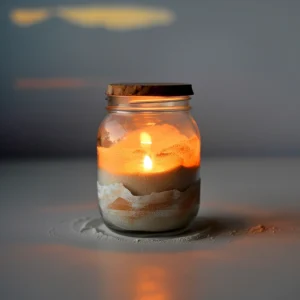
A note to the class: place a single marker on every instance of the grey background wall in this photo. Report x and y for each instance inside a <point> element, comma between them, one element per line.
<point>242,57</point>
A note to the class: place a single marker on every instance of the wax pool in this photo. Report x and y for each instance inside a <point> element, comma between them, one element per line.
<point>149,180</point>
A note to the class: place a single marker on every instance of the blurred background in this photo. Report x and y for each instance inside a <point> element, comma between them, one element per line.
<point>242,57</point>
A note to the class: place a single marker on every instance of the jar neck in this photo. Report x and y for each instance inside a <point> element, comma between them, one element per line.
<point>148,103</point>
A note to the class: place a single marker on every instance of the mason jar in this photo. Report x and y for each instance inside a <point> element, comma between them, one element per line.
<point>148,150</point>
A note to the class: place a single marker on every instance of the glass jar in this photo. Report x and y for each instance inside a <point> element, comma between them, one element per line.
<point>148,150</point>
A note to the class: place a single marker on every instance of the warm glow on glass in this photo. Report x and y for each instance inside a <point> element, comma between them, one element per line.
<point>145,138</point>
<point>147,162</point>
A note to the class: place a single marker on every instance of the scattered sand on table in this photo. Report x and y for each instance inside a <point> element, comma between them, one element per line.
<point>257,229</point>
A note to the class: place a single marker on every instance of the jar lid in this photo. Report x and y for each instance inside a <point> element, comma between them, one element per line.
<point>149,89</point>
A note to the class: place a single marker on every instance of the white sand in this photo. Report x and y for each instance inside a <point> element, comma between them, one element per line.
<point>156,212</point>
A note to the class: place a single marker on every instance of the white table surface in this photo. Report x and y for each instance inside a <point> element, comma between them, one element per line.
<point>39,196</point>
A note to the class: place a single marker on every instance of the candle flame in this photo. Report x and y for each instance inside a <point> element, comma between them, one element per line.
<point>146,142</point>
<point>145,138</point>
<point>147,162</point>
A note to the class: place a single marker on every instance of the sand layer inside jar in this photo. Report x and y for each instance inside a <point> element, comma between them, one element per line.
<point>168,210</point>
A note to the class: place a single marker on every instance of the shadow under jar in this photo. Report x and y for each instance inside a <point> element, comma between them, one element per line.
<point>148,150</point>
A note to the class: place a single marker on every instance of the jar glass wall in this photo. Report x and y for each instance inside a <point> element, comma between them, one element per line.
<point>148,164</point>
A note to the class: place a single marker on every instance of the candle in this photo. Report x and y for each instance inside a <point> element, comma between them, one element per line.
<point>145,162</point>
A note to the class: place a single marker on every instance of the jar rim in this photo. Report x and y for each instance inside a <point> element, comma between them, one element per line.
<point>147,103</point>
<point>144,99</point>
